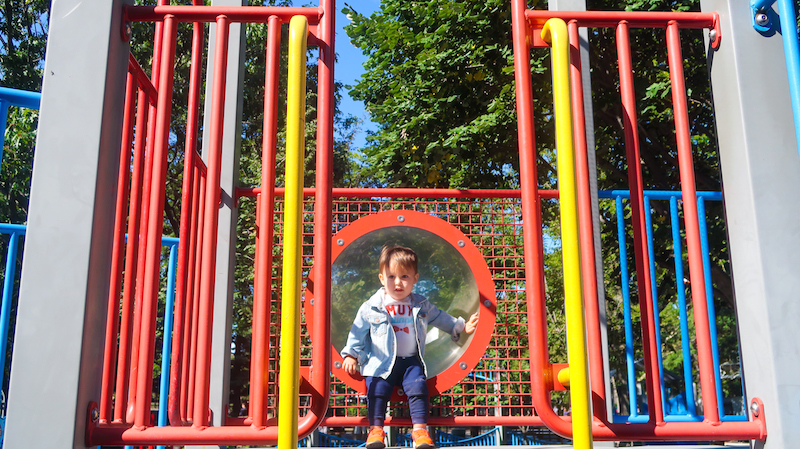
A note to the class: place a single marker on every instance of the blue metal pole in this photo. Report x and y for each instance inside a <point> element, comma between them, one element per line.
<point>626,302</point>
<point>8,290</point>
<point>654,286</point>
<point>712,322</point>
<point>677,251</point>
<point>4,121</point>
<point>167,343</point>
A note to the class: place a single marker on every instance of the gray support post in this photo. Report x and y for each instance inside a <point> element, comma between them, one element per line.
<point>761,181</point>
<point>228,212</point>
<point>61,316</point>
<point>588,110</point>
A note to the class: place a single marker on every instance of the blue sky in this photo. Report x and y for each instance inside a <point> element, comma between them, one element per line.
<point>349,67</point>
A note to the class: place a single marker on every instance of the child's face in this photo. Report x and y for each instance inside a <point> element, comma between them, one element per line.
<point>398,281</point>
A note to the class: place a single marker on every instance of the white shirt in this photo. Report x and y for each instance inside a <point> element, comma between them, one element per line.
<point>403,325</point>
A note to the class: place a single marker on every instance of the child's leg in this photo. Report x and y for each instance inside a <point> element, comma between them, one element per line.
<point>378,393</point>
<point>415,386</point>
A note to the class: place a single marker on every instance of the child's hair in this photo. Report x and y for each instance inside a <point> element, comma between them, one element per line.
<point>401,256</point>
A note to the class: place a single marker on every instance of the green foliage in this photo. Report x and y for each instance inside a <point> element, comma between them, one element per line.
<point>439,82</point>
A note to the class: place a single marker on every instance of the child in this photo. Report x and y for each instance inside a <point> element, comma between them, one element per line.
<point>388,341</point>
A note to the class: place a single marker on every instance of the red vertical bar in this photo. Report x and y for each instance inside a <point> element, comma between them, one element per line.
<point>532,223</point>
<point>323,210</point>
<point>150,286</point>
<point>266,207</point>
<point>692,225</point>
<point>193,280</point>
<point>112,320</point>
<point>132,258</point>
<point>188,193</point>
<point>586,225</point>
<point>636,185</point>
<point>211,218</point>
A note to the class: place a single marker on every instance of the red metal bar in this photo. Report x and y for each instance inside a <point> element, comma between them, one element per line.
<point>150,286</point>
<point>635,19</point>
<point>189,13</point>
<point>211,219</point>
<point>347,192</point>
<point>117,251</point>
<point>586,225</point>
<point>188,193</point>
<point>692,225</point>
<point>142,81</point>
<point>190,345</point>
<point>131,258</point>
<point>323,210</point>
<point>636,186</point>
<point>531,219</point>
<point>266,201</point>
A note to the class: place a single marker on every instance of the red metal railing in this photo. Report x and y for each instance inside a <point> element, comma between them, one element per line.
<point>515,373</point>
<point>527,25</point>
<point>127,390</point>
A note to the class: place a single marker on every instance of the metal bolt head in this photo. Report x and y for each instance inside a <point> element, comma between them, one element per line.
<point>754,408</point>
<point>401,218</point>
<point>462,365</point>
<point>762,19</point>
<point>340,242</point>
<point>401,392</point>
<point>461,243</point>
<point>337,364</point>
<point>311,301</point>
<point>95,414</point>
<point>487,303</point>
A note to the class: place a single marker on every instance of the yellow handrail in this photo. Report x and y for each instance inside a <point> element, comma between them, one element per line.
<point>577,375</point>
<point>289,380</point>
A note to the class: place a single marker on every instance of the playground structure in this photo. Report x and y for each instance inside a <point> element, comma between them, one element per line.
<point>84,321</point>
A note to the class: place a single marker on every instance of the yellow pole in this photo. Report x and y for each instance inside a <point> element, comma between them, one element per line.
<point>289,380</point>
<point>555,33</point>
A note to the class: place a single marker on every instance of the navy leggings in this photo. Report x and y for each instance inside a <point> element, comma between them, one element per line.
<point>409,374</point>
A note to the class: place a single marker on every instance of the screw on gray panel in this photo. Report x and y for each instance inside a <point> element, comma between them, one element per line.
<point>762,19</point>
<point>754,408</point>
<point>95,414</point>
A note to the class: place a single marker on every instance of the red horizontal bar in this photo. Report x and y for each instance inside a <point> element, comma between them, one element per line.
<point>635,19</point>
<point>142,80</point>
<point>407,193</point>
<point>190,13</point>
<point>440,421</point>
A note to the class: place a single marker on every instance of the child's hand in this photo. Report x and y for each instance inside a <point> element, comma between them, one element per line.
<point>350,365</point>
<point>472,324</point>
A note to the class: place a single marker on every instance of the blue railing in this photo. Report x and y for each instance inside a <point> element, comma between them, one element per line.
<point>680,407</point>
<point>14,97</point>
<point>444,439</point>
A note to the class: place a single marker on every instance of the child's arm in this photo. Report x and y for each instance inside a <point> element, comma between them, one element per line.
<point>354,349</point>
<point>350,365</point>
<point>472,324</point>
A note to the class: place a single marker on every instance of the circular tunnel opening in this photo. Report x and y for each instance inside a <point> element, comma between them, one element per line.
<point>453,276</point>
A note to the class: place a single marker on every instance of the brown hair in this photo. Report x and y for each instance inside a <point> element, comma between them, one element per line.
<point>400,256</point>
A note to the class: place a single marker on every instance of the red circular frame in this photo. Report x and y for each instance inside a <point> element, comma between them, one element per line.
<point>474,259</point>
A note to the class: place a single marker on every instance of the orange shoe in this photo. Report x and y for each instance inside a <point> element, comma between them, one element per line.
<point>376,438</point>
<point>422,440</point>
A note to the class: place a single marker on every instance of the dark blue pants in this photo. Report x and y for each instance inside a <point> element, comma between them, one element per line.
<point>409,374</point>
